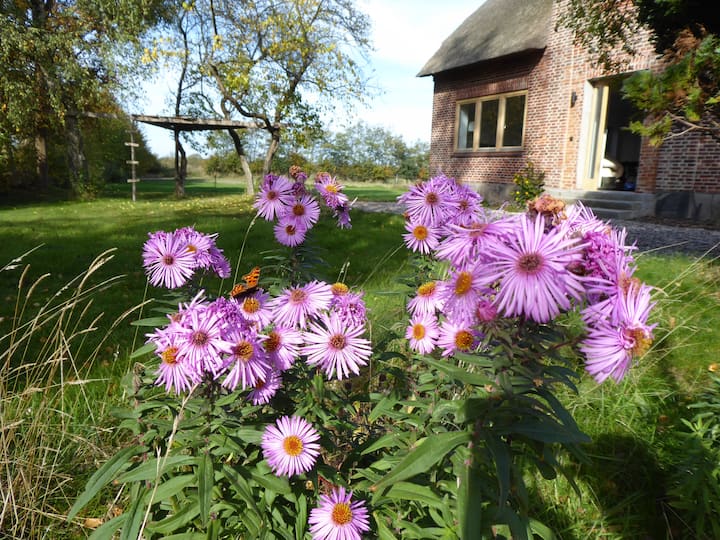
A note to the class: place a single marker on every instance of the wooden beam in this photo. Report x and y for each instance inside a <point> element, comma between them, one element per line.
<point>187,123</point>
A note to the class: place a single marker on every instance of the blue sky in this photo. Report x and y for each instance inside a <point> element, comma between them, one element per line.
<point>405,35</point>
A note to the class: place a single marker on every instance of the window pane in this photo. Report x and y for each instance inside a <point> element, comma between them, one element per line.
<point>488,123</point>
<point>466,126</point>
<point>514,114</point>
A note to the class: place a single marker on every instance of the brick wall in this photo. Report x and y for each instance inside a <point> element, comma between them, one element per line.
<point>553,125</point>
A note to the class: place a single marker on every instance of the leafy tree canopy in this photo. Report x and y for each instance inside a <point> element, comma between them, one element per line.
<point>682,96</point>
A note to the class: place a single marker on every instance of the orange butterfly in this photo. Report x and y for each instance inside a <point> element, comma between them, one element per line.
<point>241,290</point>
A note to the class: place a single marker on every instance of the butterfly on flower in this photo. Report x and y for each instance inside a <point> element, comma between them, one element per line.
<point>251,279</point>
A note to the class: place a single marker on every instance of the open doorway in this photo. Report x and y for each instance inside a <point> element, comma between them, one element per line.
<point>610,152</point>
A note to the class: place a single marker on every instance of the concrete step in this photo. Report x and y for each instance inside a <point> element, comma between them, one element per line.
<point>610,204</point>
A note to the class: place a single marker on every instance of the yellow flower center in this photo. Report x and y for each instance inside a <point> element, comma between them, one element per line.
<point>420,232</point>
<point>169,355</point>
<point>292,445</point>
<point>338,341</point>
<point>341,514</point>
<point>332,188</point>
<point>251,305</point>
<point>272,343</point>
<point>191,248</point>
<point>464,340</point>
<point>426,289</point>
<point>418,331</point>
<point>338,289</point>
<point>463,282</point>
<point>244,350</point>
<point>641,341</point>
<point>200,338</point>
<point>530,263</point>
<point>297,296</point>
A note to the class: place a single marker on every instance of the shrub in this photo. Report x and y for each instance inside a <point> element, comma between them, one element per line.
<point>530,184</point>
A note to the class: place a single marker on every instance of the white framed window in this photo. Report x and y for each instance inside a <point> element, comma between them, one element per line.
<point>491,122</point>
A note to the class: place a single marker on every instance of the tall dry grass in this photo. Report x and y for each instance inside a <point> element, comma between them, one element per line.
<point>53,397</point>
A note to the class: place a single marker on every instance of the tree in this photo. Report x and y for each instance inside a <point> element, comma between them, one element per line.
<point>685,92</point>
<point>282,63</point>
<point>58,60</point>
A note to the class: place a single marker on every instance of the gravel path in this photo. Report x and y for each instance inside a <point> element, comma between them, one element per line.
<point>648,236</point>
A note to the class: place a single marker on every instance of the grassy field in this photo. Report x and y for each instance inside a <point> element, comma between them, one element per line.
<point>58,382</point>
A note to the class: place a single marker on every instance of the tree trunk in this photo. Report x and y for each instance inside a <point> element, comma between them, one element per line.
<point>41,162</point>
<point>77,164</point>
<point>272,148</point>
<point>249,188</point>
<point>180,167</point>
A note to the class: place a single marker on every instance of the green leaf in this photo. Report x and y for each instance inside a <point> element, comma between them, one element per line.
<point>414,492</point>
<point>462,375</point>
<point>301,517</point>
<point>384,406</point>
<point>173,522</point>
<point>269,481</point>
<point>172,487</point>
<point>423,457</point>
<point>383,532</point>
<point>155,467</point>
<point>186,536</point>
<point>386,441</point>
<point>470,504</point>
<point>141,351</point>
<point>136,514</point>
<point>151,321</point>
<point>103,476</point>
<point>108,529</point>
<point>206,482</point>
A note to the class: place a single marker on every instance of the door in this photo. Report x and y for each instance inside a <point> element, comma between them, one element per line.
<point>596,136</point>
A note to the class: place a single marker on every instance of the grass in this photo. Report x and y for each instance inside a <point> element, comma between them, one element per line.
<point>58,379</point>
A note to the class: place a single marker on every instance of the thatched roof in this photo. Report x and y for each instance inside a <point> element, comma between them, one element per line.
<point>497,28</point>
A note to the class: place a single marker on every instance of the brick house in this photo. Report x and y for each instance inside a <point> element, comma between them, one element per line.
<point>510,88</point>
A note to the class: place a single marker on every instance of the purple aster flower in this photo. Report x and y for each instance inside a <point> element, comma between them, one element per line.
<point>247,362</point>
<point>218,263</point>
<point>338,517</point>
<point>342,213</point>
<point>254,308</point>
<point>532,271</point>
<point>610,346</point>
<point>275,197</point>
<point>466,243</point>
<point>420,237</point>
<point>457,337</point>
<point>427,299</point>
<point>336,347</point>
<point>461,293</point>
<point>282,346</point>
<point>288,233</point>
<point>203,345</point>
<point>422,333</point>
<point>167,261</point>
<point>430,202</point>
<point>330,190</point>
<point>296,305</point>
<point>469,204</point>
<point>265,389</point>
<point>173,371</point>
<point>289,446</point>
<point>303,213</point>
<point>198,244</point>
<point>349,306</point>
